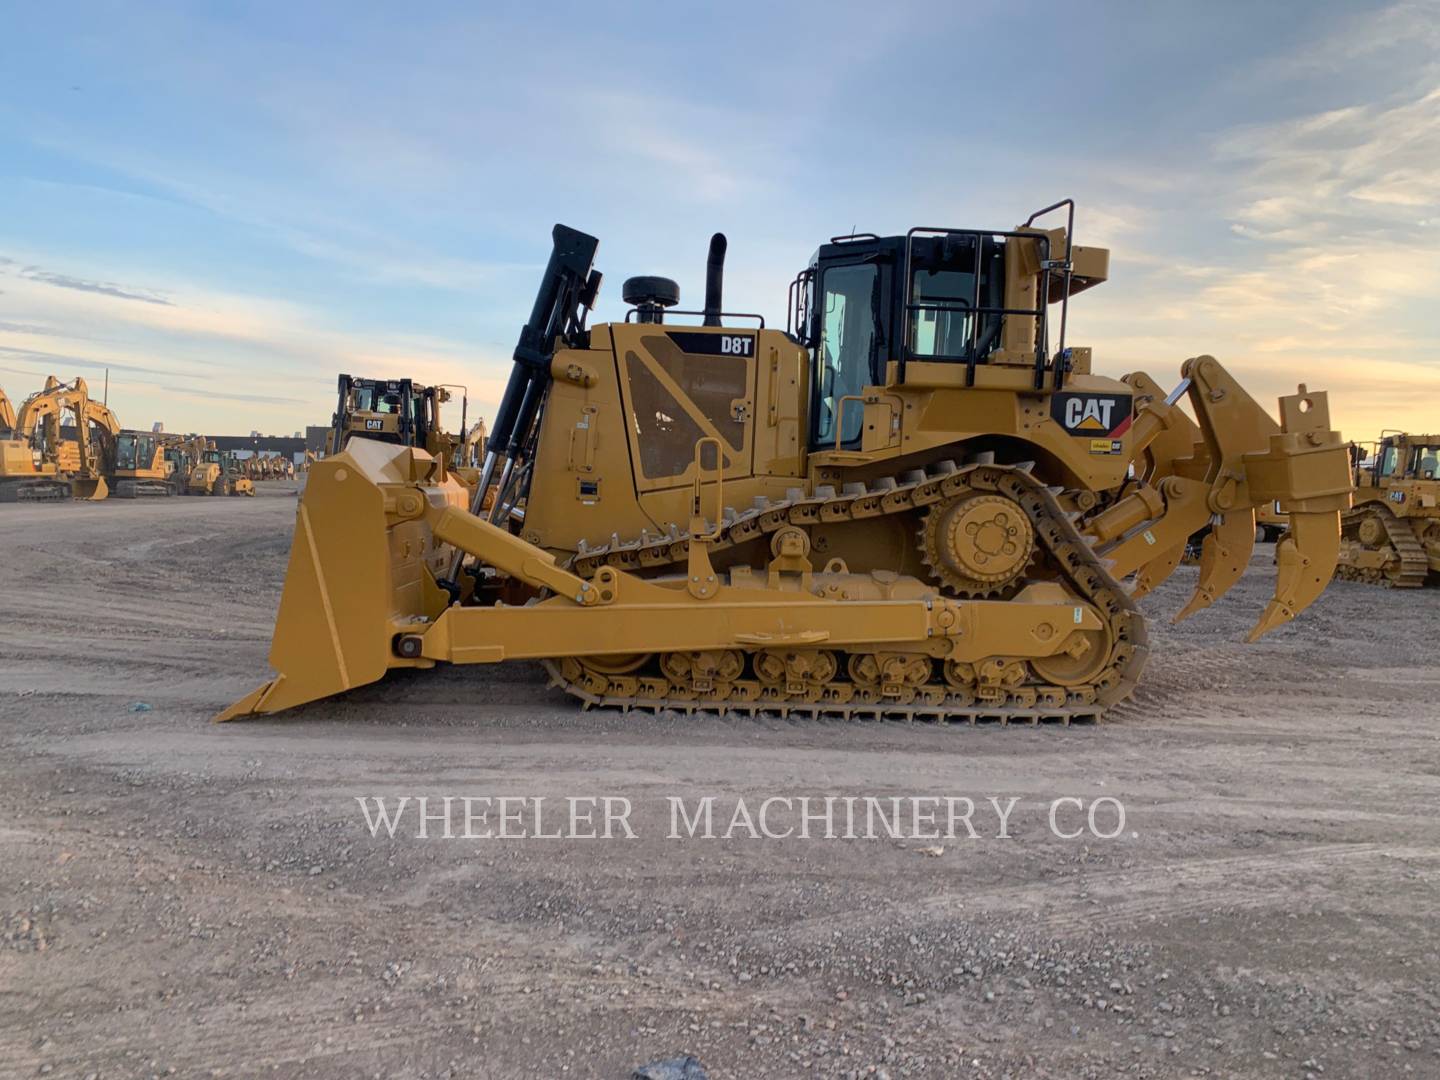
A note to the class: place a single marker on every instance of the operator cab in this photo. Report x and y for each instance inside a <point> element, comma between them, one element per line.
<point>389,410</point>
<point>134,450</point>
<point>948,296</point>
<point>1415,457</point>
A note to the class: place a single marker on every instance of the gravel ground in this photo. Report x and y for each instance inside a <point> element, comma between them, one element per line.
<point>178,898</point>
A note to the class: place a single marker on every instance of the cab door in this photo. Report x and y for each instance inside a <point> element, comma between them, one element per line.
<point>681,384</point>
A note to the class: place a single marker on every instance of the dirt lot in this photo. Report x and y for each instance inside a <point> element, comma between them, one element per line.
<point>197,900</point>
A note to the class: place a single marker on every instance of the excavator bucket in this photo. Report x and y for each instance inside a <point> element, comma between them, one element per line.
<point>93,488</point>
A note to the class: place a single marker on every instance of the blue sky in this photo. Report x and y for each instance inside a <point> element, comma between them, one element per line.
<point>227,204</point>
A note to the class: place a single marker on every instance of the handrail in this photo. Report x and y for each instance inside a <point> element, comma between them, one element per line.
<point>722,315</point>
<point>696,507</point>
<point>840,416</point>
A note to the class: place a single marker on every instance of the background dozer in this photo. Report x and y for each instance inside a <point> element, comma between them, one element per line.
<point>918,500</point>
<point>39,462</point>
<point>1392,535</point>
<point>405,413</point>
<point>399,411</point>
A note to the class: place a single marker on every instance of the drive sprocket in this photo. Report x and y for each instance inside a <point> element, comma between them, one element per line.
<point>978,544</point>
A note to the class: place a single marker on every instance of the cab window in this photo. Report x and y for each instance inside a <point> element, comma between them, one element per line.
<point>126,452</point>
<point>943,312</point>
<point>846,349</point>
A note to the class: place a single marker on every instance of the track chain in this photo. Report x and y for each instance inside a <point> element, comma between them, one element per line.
<point>143,489</point>
<point>1414,564</point>
<point>37,489</point>
<point>1033,702</point>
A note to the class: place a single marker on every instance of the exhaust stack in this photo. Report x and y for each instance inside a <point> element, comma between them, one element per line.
<point>715,279</point>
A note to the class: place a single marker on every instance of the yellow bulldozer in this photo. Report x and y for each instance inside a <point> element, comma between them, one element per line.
<point>38,462</point>
<point>918,500</point>
<point>404,413</point>
<point>1392,535</point>
<point>399,411</point>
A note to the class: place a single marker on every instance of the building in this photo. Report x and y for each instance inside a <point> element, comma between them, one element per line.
<point>317,439</point>
<point>249,445</point>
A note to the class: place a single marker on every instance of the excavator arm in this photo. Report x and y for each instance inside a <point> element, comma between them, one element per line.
<point>47,406</point>
<point>1216,469</point>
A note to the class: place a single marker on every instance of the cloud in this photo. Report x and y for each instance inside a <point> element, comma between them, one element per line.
<point>1364,171</point>
<point>214,360</point>
<point>104,288</point>
<point>1302,248</point>
<point>226,395</point>
<point>55,361</point>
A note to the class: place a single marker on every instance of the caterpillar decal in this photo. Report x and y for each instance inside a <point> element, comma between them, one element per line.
<point>1092,415</point>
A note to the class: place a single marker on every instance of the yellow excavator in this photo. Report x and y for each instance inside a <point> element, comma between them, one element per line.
<point>140,464</point>
<point>918,500</point>
<point>37,462</point>
<point>7,416</point>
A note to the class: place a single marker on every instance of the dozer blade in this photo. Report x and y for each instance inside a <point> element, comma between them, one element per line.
<point>1306,557</point>
<point>353,576</point>
<point>1224,556</point>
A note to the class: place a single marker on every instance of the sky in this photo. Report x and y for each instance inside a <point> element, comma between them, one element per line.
<point>227,204</point>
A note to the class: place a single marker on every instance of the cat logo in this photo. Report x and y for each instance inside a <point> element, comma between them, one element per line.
<point>1093,415</point>
<point>374,425</point>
